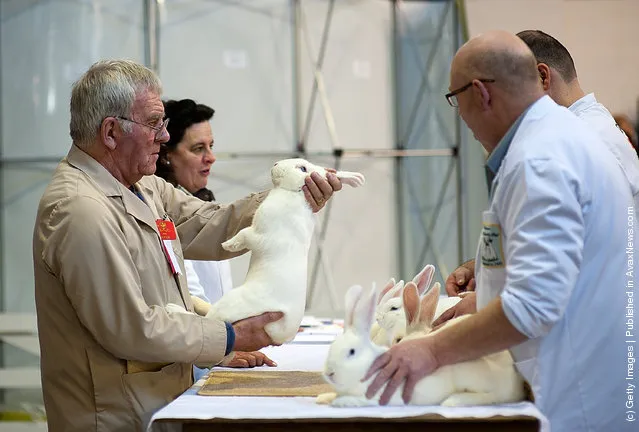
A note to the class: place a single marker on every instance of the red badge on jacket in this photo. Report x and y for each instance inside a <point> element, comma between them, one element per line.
<point>166,229</point>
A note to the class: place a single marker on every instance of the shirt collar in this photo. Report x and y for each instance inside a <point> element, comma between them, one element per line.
<point>583,103</point>
<point>497,156</point>
<point>98,173</point>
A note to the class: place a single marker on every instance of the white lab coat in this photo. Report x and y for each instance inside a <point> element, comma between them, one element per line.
<point>553,247</point>
<point>208,280</point>
<point>600,119</point>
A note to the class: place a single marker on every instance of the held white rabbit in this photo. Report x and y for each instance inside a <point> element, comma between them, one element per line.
<point>488,380</point>
<point>279,239</point>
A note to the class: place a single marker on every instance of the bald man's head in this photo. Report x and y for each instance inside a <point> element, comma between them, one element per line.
<point>494,79</point>
<point>497,55</point>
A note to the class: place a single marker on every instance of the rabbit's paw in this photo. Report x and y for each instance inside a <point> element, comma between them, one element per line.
<point>352,401</point>
<point>233,245</point>
<point>325,398</point>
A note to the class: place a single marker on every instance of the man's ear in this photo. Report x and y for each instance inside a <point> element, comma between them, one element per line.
<point>482,96</point>
<point>544,75</point>
<point>108,132</point>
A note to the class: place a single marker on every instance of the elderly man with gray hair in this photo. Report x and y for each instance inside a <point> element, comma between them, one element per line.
<point>108,249</point>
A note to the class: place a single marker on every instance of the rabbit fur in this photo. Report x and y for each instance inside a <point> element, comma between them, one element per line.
<point>279,239</point>
<point>390,325</point>
<point>488,380</point>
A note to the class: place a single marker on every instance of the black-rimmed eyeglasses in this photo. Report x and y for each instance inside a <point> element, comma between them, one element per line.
<point>452,96</point>
<point>158,129</point>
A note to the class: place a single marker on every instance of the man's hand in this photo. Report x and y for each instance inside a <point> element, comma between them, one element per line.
<point>408,361</point>
<point>461,279</point>
<point>466,305</point>
<point>318,190</point>
<point>248,360</point>
<point>250,334</point>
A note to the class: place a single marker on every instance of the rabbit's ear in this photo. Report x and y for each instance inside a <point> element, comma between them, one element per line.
<point>424,278</point>
<point>410,299</point>
<point>352,179</point>
<point>389,285</point>
<point>364,313</point>
<point>397,291</point>
<point>428,305</point>
<point>393,292</point>
<point>352,297</point>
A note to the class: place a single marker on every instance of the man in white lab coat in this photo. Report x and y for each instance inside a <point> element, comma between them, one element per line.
<point>559,79</point>
<point>554,287</point>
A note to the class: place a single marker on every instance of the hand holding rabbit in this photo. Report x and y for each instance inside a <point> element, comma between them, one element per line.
<point>250,334</point>
<point>405,364</point>
<point>467,305</point>
<point>318,190</point>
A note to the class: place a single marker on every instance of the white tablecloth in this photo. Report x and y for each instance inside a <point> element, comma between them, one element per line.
<point>311,357</point>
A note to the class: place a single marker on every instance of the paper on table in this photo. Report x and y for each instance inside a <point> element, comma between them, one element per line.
<point>205,408</point>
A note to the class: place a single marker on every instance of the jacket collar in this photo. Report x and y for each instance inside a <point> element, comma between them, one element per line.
<point>111,187</point>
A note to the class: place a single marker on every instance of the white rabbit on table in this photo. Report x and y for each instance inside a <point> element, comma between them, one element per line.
<point>491,379</point>
<point>279,239</point>
<point>390,323</point>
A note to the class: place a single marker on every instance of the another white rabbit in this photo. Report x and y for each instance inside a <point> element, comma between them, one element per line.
<point>419,311</point>
<point>390,325</point>
<point>488,380</point>
<point>279,239</point>
<point>389,316</point>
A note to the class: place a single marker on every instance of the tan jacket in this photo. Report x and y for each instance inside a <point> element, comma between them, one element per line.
<point>111,354</point>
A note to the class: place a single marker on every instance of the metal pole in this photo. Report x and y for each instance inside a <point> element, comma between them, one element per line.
<point>151,35</point>
<point>458,155</point>
<point>399,145</point>
<point>2,227</point>
<point>317,67</point>
<point>296,56</point>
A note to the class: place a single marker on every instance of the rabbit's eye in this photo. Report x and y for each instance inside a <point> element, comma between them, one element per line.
<point>394,308</point>
<point>351,352</point>
<point>302,168</point>
<point>398,340</point>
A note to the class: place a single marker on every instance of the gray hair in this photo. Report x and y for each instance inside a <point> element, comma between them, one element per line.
<point>107,89</point>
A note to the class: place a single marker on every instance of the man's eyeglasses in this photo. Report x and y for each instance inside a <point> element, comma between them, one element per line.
<point>452,96</point>
<point>158,129</point>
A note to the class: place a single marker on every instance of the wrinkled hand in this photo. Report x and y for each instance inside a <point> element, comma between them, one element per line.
<point>243,359</point>
<point>318,190</point>
<point>461,279</point>
<point>407,362</point>
<point>467,305</point>
<point>250,334</point>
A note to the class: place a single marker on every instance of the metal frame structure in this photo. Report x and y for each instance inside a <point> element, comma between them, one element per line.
<point>302,128</point>
<point>400,152</point>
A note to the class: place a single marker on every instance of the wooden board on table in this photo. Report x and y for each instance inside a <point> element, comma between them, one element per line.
<point>264,383</point>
